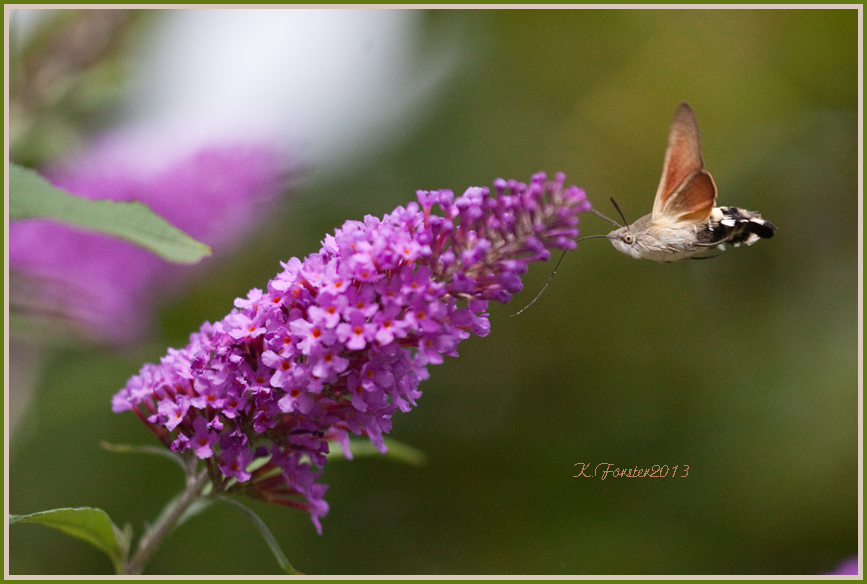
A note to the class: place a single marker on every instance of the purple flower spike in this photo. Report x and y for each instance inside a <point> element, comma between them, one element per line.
<point>338,343</point>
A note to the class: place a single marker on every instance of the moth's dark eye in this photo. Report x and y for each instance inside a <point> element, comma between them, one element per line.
<point>628,239</point>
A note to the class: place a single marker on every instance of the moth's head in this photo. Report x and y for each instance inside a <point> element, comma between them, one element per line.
<point>623,240</point>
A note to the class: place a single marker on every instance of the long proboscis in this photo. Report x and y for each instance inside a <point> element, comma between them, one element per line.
<point>551,277</point>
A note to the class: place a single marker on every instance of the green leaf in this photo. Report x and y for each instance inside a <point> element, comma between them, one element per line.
<point>32,197</point>
<point>145,449</point>
<point>397,451</point>
<point>86,523</point>
<point>282,560</point>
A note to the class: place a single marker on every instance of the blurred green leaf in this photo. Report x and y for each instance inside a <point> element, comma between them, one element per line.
<point>266,533</point>
<point>397,451</point>
<point>145,449</point>
<point>86,523</point>
<point>31,197</point>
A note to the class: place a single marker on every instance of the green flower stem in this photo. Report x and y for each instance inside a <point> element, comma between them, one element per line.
<point>151,540</point>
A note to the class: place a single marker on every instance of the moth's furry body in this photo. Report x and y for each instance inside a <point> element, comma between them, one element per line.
<point>684,221</point>
<point>731,225</point>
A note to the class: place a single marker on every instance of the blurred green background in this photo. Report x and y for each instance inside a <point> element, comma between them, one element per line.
<point>744,367</point>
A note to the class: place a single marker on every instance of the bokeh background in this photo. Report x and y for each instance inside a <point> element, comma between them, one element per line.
<point>744,368</point>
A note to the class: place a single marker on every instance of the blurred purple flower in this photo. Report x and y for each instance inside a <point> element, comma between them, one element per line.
<point>848,567</point>
<point>107,288</point>
<point>338,343</point>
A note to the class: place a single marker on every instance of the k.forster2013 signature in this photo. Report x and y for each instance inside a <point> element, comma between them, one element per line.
<point>603,470</point>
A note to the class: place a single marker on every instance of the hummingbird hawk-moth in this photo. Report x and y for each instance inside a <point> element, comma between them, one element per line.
<point>684,221</point>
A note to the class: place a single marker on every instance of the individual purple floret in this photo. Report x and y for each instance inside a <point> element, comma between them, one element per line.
<point>848,567</point>
<point>338,343</point>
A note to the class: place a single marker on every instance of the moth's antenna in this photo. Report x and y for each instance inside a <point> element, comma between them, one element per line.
<point>622,216</point>
<point>610,220</point>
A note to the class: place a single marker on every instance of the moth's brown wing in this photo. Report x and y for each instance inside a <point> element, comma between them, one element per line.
<point>686,192</point>
<point>693,202</point>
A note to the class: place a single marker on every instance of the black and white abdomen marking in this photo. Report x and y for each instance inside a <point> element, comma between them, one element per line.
<point>736,226</point>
